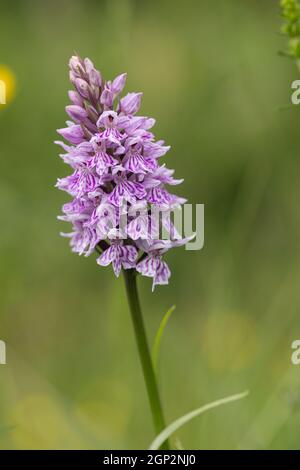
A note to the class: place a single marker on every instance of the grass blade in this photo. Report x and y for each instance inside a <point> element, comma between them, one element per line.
<point>178,423</point>
<point>158,337</point>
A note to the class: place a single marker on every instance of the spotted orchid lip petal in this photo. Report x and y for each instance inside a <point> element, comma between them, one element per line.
<point>153,266</point>
<point>119,255</point>
<point>116,174</point>
<point>138,228</point>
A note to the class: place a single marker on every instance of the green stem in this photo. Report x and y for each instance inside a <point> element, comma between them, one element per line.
<point>141,339</point>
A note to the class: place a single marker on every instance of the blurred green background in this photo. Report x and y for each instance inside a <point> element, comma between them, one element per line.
<point>212,78</point>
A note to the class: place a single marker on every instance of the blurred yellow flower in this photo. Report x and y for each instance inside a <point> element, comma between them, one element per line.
<point>7,85</point>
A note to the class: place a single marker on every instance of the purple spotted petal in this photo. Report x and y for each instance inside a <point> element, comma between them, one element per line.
<point>139,227</point>
<point>117,266</point>
<point>118,195</point>
<point>147,267</point>
<point>129,256</point>
<point>107,256</point>
<point>102,161</point>
<point>155,267</point>
<point>137,164</point>
<point>158,196</point>
<point>162,274</point>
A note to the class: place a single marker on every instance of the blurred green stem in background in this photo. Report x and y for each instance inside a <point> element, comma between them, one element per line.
<point>141,339</point>
<point>290,11</point>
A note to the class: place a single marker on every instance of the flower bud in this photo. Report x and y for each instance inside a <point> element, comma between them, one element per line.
<point>77,113</point>
<point>73,134</point>
<point>106,98</point>
<point>93,74</point>
<point>75,64</point>
<point>118,83</point>
<point>131,103</point>
<point>82,87</point>
<point>75,98</point>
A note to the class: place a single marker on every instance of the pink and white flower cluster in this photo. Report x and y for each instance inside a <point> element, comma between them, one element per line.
<point>116,173</point>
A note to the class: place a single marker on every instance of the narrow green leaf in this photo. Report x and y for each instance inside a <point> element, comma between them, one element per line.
<point>169,430</point>
<point>158,337</point>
